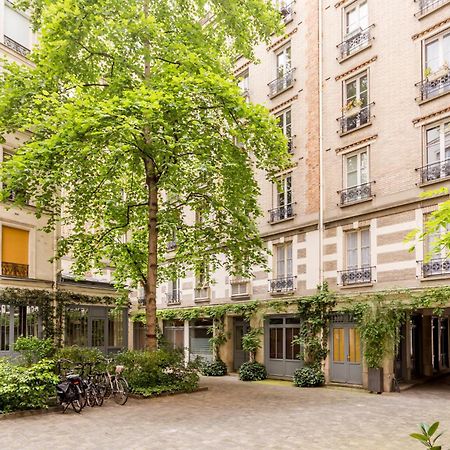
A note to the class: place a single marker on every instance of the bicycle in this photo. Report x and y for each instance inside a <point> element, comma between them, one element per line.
<point>115,385</point>
<point>94,395</point>
<point>69,391</point>
<point>395,384</point>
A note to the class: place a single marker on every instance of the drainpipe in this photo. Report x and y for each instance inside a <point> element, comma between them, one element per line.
<point>321,182</point>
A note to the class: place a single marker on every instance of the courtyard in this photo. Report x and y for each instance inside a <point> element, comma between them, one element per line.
<point>237,415</point>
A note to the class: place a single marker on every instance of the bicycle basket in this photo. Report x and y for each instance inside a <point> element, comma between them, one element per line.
<point>119,369</point>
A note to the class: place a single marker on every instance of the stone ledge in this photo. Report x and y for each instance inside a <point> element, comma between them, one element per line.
<point>30,412</point>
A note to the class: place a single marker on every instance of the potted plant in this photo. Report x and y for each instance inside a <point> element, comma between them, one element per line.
<point>440,73</point>
<point>353,107</point>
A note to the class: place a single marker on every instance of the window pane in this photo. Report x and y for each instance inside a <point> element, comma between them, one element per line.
<point>289,260</point>
<point>276,343</point>
<point>291,350</point>
<point>363,15</point>
<point>280,261</point>
<point>76,327</point>
<point>32,321</point>
<point>433,145</point>
<point>115,328</point>
<point>446,48</point>
<point>354,345</point>
<point>446,132</point>
<point>350,90</point>
<point>338,344</point>
<point>5,322</point>
<point>432,56</point>
<point>352,20</point>
<point>98,332</point>
<point>352,171</point>
<point>352,250</point>
<point>365,248</point>
<point>17,27</point>
<point>363,162</point>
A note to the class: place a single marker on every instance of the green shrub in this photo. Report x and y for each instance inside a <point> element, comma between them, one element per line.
<point>26,387</point>
<point>252,371</point>
<point>80,354</point>
<point>150,373</point>
<point>309,376</point>
<point>214,369</point>
<point>33,350</point>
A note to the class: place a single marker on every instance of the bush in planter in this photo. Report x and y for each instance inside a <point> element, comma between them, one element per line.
<point>309,376</point>
<point>252,371</point>
<point>214,369</point>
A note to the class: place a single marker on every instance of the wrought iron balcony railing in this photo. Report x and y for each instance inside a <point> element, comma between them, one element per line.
<point>353,119</point>
<point>434,171</point>
<point>14,270</point>
<point>173,298</point>
<point>356,193</point>
<point>435,267</point>
<point>436,84</point>
<point>287,12</point>
<point>426,6</point>
<point>282,285</point>
<point>201,294</point>
<point>290,146</point>
<point>281,83</point>
<point>358,275</point>
<point>355,41</point>
<point>13,45</point>
<point>281,213</point>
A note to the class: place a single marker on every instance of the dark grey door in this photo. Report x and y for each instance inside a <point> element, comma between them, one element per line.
<point>240,329</point>
<point>98,328</point>
<point>281,355</point>
<point>345,355</point>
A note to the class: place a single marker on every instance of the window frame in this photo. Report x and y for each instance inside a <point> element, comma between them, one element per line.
<point>346,10</point>
<point>358,154</point>
<point>288,262</point>
<point>440,39</point>
<point>356,78</point>
<point>359,249</point>
<point>286,67</point>
<point>441,125</point>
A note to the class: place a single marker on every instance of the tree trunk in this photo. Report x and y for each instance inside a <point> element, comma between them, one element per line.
<point>150,286</point>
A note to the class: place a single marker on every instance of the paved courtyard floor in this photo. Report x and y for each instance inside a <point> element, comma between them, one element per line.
<point>238,415</point>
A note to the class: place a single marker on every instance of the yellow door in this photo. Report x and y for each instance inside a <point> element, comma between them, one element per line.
<point>338,345</point>
<point>14,252</point>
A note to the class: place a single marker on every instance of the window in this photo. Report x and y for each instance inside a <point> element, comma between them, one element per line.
<point>284,260</point>
<point>76,327</point>
<point>173,295</point>
<point>199,335</point>
<point>358,249</point>
<point>437,141</point>
<point>174,333</point>
<point>356,178</point>
<point>282,331</point>
<point>17,30</point>
<point>358,269</point>
<point>16,321</point>
<point>356,17</point>
<point>284,62</point>
<point>201,291</point>
<point>243,82</point>
<point>14,252</point>
<point>116,328</point>
<point>437,53</point>
<point>284,209</point>
<point>439,264</point>
<point>239,286</point>
<point>356,102</point>
<point>284,120</point>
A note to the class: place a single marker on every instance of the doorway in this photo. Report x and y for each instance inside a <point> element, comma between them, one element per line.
<point>240,328</point>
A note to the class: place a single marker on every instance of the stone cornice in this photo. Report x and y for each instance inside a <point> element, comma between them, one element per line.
<point>281,41</point>
<point>430,29</point>
<point>430,116</point>
<point>241,68</point>
<point>281,105</point>
<point>357,144</point>
<point>355,69</point>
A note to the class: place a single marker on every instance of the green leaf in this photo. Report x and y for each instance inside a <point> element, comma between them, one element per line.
<point>420,437</point>
<point>433,428</point>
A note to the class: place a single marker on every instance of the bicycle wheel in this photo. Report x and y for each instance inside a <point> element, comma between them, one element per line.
<point>99,397</point>
<point>76,405</point>
<point>120,391</point>
<point>90,397</point>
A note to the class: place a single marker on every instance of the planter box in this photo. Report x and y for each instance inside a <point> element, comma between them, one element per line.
<point>441,73</point>
<point>352,111</point>
<point>376,380</point>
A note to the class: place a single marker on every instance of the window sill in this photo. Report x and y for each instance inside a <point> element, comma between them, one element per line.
<point>202,300</point>
<point>435,277</point>
<point>437,180</point>
<point>271,97</point>
<point>357,202</point>
<point>356,52</point>
<point>357,285</point>
<point>281,293</point>
<point>427,100</point>
<point>240,297</point>
<point>342,134</point>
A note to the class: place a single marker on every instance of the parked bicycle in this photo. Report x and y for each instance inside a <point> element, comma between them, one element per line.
<point>92,385</point>
<point>115,384</point>
<point>70,390</point>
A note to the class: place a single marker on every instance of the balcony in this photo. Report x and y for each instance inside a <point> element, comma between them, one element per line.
<point>434,172</point>
<point>282,83</point>
<point>287,12</point>
<point>173,298</point>
<point>281,213</point>
<point>13,45</point>
<point>355,41</point>
<point>360,275</point>
<point>356,194</point>
<point>434,85</point>
<point>426,6</point>
<point>282,285</point>
<point>14,270</point>
<point>201,294</point>
<point>435,267</point>
<point>355,118</point>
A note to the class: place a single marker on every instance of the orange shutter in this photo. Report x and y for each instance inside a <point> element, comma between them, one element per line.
<point>14,245</point>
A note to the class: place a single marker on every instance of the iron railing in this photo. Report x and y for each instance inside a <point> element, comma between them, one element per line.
<point>357,275</point>
<point>290,147</point>
<point>435,267</point>
<point>287,12</point>
<point>351,121</point>
<point>281,213</point>
<point>432,87</point>
<point>355,41</point>
<point>281,83</point>
<point>426,6</point>
<point>173,298</point>
<point>13,45</point>
<point>14,270</point>
<point>281,285</point>
<point>355,193</point>
<point>434,171</point>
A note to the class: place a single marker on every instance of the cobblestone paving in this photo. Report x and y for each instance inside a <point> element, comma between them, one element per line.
<point>237,415</point>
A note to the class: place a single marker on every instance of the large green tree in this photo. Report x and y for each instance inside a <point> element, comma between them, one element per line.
<point>135,123</point>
